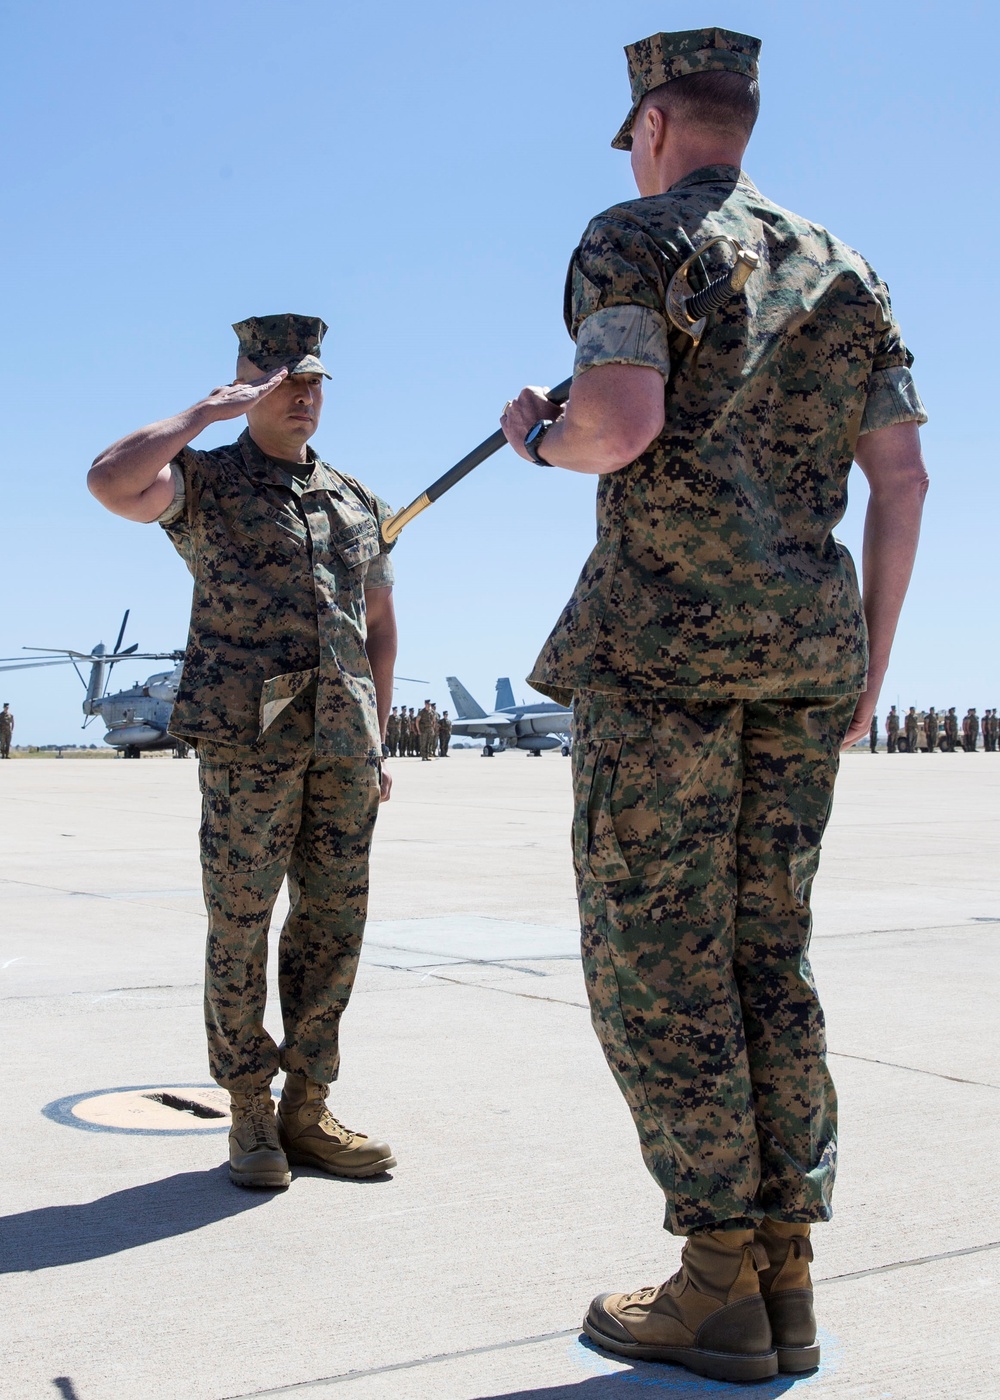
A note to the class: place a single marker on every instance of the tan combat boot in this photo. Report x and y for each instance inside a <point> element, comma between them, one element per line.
<point>312,1137</point>
<point>788,1296</point>
<point>710,1317</point>
<point>255,1155</point>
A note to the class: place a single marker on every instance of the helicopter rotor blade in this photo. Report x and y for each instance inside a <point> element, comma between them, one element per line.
<point>30,665</point>
<point>121,633</point>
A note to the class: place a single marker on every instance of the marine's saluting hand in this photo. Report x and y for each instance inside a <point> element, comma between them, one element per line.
<point>232,400</point>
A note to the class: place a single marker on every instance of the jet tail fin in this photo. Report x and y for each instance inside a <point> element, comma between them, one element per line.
<point>465,706</point>
<point>505,694</point>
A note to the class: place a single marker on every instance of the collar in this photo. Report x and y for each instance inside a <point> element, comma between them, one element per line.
<point>715,175</point>
<point>273,470</point>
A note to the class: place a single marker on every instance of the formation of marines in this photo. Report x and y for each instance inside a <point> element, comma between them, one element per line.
<point>422,734</point>
<point>716,651</point>
<point>925,731</point>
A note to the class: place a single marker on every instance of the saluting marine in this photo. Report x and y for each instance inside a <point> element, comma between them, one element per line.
<point>731,361</point>
<point>286,687</point>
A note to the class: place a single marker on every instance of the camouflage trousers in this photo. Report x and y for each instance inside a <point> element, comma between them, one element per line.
<point>696,837</point>
<point>277,811</point>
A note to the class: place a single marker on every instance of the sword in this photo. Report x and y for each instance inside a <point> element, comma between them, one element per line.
<point>393,524</point>
<point>689,312</point>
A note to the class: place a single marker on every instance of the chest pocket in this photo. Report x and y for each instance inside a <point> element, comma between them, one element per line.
<point>355,540</point>
<point>263,523</point>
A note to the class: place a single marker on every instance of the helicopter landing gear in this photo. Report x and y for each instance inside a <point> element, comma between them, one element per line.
<point>565,750</point>
<point>488,751</point>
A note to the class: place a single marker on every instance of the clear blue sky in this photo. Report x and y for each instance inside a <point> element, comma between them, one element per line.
<point>418,175</point>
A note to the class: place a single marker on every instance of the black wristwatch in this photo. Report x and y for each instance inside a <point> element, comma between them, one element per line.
<point>534,439</point>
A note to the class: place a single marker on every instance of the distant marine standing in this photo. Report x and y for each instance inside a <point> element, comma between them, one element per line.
<point>911,727</point>
<point>392,732</point>
<point>444,733</point>
<point>427,732</point>
<point>931,729</point>
<point>873,735</point>
<point>970,732</point>
<point>6,730</point>
<point>891,730</point>
<point>951,730</point>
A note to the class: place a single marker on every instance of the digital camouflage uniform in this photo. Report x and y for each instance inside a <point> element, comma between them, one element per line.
<point>892,730</point>
<point>444,735</point>
<point>951,729</point>
<point>911,727</point>
<point>873,734</point>
<point>278,696</point>
<point>714,648</point>
<point>392,734</point>
<point>427,733</point>
<point>6,731</point>
<point>931,730</point>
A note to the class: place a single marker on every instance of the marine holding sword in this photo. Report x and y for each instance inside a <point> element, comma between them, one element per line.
<point>718,656</point>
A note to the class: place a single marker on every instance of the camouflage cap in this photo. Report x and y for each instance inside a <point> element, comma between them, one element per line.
<point>663,57</point>
<point>284,341</point>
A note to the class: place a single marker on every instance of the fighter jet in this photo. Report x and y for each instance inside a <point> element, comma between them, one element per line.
<point>542,725</point>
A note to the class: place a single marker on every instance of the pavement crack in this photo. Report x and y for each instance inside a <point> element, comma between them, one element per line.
<point>911,1069</point>
<point>408,1365</point>
<point>299,1386</point>
<point>507,991</point>
<point>910,1263</point>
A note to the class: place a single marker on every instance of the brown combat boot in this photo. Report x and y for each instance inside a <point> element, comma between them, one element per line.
<point>255,1155</point>
<point>710,1317</point>
<point>312,1137</point>
<point>788,1295</point>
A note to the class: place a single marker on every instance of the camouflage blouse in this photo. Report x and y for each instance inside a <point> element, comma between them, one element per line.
<point>280,570</point>
<point>716,573</point>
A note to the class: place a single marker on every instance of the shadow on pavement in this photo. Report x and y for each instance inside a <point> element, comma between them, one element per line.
<point>56,1235</point>
<point>653,1380</point>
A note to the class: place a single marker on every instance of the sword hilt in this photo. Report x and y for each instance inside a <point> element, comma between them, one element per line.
<point>689,310</point>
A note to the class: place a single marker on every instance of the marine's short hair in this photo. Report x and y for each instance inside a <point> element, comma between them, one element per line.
<point>717,100</point>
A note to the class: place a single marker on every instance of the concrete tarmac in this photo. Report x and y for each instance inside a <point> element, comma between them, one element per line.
<point>130,1267</point>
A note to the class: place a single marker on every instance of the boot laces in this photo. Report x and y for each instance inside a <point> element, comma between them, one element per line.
<point>337,1129</point>
<point>259,1116</point>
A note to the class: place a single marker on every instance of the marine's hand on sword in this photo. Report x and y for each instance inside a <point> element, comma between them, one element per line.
<point>521,414</point>
<point>233,400</point>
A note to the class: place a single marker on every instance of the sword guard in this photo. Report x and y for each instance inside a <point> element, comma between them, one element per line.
<point>689,310</point>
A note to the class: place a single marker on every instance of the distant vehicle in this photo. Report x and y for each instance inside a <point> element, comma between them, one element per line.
<point>535,727</point>
<point>137,718</point>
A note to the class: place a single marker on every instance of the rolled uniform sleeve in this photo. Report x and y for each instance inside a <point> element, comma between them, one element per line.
<point>892,395</point>
<point>379,571</point>
<point>176,507</point>
<point>614,299</point>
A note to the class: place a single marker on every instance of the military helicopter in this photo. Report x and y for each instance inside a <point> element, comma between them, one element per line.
<point>137,718</point>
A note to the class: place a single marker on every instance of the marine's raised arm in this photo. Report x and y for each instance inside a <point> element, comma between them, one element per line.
<point>132,477</point>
